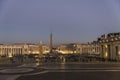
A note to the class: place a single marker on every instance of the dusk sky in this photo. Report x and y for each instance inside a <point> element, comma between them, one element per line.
<point>69,20</point>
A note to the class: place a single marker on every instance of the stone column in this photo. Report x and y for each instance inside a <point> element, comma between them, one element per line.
<point>101,51</point>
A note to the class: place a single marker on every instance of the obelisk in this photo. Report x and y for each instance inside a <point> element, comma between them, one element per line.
<point>51,45</point>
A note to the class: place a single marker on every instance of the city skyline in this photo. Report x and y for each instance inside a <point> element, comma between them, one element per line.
<point>69,21</point>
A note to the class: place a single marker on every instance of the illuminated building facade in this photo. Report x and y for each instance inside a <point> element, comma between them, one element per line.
<point>89,48</point>
<point>65,49</point>
<point>110,46</point>
<point>14,49</point>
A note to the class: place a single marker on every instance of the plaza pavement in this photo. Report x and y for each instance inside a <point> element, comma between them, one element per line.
<point>52,70</point>
<point>6,72</point>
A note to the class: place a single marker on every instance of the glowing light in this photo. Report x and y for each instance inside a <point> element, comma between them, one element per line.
<point>119,52</point>
<point>106,46</point>
<point>37,64</point>
<point>107,40</point>
<point>66,52</point>
<point>10,55</point>
<point>106,54</point>
<point>116,39</point>
<point>29,51</point>
<point>111,39</point>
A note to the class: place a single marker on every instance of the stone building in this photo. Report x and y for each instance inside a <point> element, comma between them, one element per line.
<point>21,48</point>
<point>110,46</point>
<point>65,49</point>
<point>88,48</point>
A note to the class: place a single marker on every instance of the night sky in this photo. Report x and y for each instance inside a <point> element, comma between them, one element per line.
<point>69,20</point>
